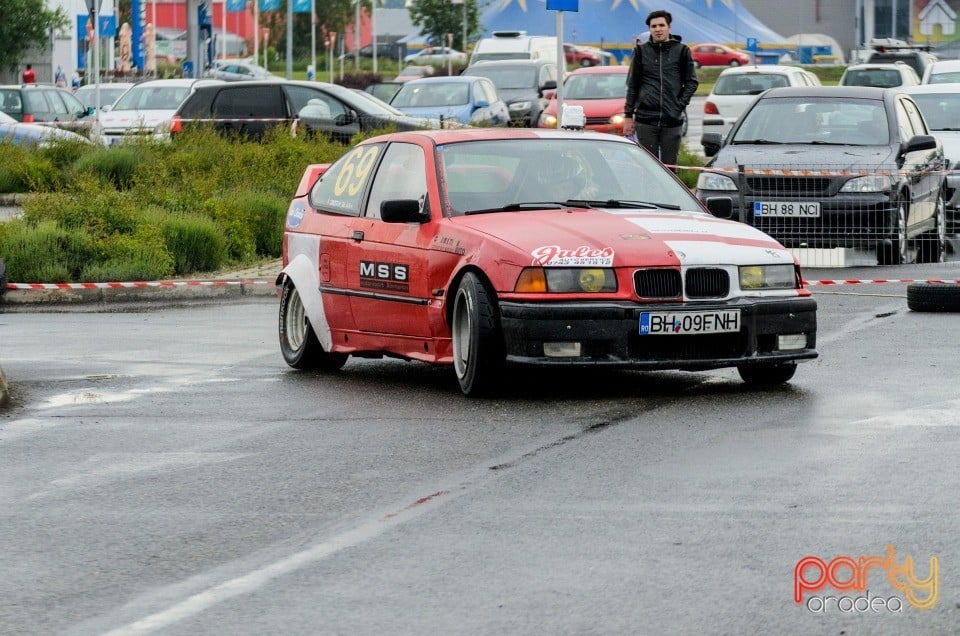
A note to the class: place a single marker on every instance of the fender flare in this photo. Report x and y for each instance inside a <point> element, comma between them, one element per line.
<point>306,278</point>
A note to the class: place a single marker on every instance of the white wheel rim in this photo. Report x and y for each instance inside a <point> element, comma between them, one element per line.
<point>461,333</point>
<point>295,322</point>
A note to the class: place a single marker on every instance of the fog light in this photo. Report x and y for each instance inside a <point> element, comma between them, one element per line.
<point>792,341</point>
<point>561,349</point>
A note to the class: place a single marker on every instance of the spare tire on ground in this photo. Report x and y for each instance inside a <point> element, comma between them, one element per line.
<point>933,296</point>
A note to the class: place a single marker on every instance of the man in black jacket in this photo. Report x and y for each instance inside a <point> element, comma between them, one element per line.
<point>660,83</point>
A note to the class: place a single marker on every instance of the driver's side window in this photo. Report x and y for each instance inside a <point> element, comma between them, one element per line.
<point>401,175</point>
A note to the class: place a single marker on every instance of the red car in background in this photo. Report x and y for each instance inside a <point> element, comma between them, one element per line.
<point>717,55</point>
<point>585,55</point>
<point>600,90</point>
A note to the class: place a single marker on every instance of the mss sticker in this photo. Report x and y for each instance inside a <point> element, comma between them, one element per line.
<point>385,276</point>
<point>295,215</point>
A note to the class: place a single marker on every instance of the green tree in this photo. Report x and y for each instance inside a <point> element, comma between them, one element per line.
<point>26,24</point>
<point>437,18</point>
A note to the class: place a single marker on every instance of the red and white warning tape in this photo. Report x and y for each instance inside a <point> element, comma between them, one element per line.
<point>136,284</point>
<point>876,281</point>
<point>230,283</point>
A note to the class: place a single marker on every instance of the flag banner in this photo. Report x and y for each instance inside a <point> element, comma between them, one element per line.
<point>235,6</point>
<point>301,6</point>
<point>269,5</point>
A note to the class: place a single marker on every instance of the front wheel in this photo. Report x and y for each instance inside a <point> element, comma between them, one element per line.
<point>767,374</point>
<point>893,251</point>
<point>933,246</point>
<point>734,63</point>
<point>298,342</point>
<point>478,352</point>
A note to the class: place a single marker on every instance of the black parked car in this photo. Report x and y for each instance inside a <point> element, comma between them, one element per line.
<point>248,109</point>
<point>827,167</point>
<point>521,84</point>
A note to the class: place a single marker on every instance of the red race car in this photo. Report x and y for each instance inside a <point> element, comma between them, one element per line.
<point>479,248</point>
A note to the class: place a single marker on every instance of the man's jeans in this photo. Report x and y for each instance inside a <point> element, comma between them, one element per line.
<point>663,142</point>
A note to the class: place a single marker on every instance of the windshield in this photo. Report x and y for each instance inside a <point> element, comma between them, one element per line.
<point>810,120</point>
<point>366,104</point>
<point>949,77</point>
<point>488,176</point>
<point>939,109</point>
<point>506,78</point>
<point>152,97</point>
<point>748,83</point>
<point>595,86</point>
<point>431,95</point>
<point>881,78</point>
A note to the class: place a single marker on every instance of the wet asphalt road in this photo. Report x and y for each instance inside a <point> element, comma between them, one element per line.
<point>162,471</point>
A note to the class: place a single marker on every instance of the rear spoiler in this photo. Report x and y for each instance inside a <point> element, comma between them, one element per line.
<point>310,176</point>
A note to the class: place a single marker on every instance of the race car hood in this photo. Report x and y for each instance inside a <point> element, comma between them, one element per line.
<point>798,156</point>
<point>625,238</point>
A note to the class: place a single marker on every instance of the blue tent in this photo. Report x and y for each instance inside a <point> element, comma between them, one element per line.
<point>615,23</point>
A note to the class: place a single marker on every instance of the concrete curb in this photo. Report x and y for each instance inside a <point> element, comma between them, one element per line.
<point>28,298</point>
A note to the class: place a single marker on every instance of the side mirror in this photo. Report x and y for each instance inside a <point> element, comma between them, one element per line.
<point>920,142</point>
<point>482,103</point>
<point>711,143</point>
<point>548,86</point>
<point>720,207</point>
<point>91,110</point>
<point>345,119</point>
<point>402,211</point>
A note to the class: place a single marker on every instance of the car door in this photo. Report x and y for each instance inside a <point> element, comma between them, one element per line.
<point>249,110</point>
<point>387,262</point>
<point>322,113</point>
<point>38,106</point>
<point>923,166</point>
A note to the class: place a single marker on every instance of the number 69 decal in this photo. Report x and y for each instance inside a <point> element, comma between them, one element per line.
<point>354,172</point>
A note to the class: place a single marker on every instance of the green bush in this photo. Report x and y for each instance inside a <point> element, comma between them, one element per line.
<point>687,158</point>
<point>139,256</point>
<point>45,253</point>
<point>23,169</point>
<point>112,166</point>
<point>197,244</point>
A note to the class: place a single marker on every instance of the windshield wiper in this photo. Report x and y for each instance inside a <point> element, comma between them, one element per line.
<point>757,141</point>
<point>832,143</point>
<point>621,203</point>
<point>526,205</point>
<point>947,129</point>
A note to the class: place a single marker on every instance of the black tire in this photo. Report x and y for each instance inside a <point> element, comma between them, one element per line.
<point>933,245</point>
<point>895,251</point>
<point>939,297</point>
<point>3,277</point>
<point>478,350</point>
<point>767,374</point>
<point>734,63</point>
<point>585,62</point>
<point>298,342</point>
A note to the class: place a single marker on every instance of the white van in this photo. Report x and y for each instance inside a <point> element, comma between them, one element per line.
<point>516,45</point>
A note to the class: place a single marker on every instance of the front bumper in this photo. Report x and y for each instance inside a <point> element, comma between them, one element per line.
<point>609,334</point>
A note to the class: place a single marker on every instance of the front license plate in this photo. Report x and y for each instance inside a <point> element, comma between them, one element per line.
<point>679,323</point>
<point>787,209</point>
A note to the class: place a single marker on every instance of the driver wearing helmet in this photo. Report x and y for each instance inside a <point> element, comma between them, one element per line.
<point>561,177</point>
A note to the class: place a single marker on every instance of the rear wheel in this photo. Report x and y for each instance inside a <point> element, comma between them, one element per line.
<point>478,354</point>
<point>298,342</point>
<point>767,374</point>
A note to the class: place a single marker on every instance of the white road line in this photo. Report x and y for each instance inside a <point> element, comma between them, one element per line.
<point>257,578</point>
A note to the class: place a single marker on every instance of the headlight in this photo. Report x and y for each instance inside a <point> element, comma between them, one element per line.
<point>548,121</point>
<point>872,183</point>
<point>560,280</point>
<point>767,277</point>
<point>714,181</point>
<point>616,120</point>
<point>520,106</point>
